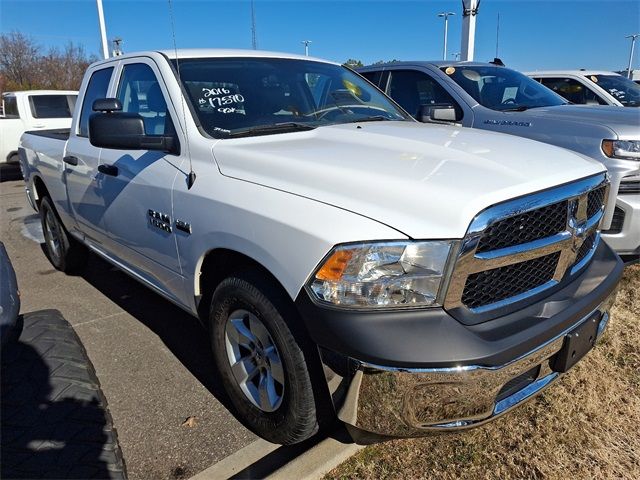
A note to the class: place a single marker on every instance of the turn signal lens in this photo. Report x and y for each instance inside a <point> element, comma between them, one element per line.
<point>334,267</point>
<point>627,149</point>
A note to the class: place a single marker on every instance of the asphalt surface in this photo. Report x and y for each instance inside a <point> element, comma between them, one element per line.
<point>151,358</point>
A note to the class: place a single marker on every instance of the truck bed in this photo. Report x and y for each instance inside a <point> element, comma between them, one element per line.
<point>57,133</point>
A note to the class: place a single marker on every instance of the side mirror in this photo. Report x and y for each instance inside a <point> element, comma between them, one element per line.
<point>107,105</point>
<point>438,112</point>
<point>124,131</point>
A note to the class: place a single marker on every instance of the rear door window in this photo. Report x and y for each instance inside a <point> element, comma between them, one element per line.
<point>572,90</point>
<point>10,104</point>
<point>97,88</point>
<point>52,106</point>
<point>373,77</point>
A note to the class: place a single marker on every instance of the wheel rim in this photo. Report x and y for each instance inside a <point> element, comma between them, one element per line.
<point>255,361</point>
<point>52,235</point>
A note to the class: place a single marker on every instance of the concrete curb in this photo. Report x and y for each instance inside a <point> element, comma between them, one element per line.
<point>312,464</point>
<point>317,461</point>
<point>238,461</point>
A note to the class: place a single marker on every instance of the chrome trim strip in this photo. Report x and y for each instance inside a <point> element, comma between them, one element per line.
<point>515,298</point>
<point>524,394</point>
<point>578,266</point>
<point>540,247</point>
<point>567,242</point>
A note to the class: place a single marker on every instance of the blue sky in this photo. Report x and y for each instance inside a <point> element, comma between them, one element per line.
<point>534,34</point>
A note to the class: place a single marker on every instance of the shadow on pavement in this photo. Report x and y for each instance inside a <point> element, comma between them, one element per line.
<point>54,419</point>
<point>188,340</point>
<point>182,333</point>
<point>10,172</point>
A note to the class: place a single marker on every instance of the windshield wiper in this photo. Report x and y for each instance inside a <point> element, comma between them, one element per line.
<point>283,127</point>
<point>522,108</point>
<point>373,118</point>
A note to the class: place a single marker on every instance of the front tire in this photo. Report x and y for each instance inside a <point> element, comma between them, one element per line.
<point>63,251</point>
<point>262,367</point>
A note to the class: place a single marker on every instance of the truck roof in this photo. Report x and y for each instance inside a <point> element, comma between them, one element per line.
<point>570,72</point>
<point>435,63</point>
<point>41,92</point>
<point>215,53</point>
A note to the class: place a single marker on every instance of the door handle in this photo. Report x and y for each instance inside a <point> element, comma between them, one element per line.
<point>108,170</point>
<point>71,160</point>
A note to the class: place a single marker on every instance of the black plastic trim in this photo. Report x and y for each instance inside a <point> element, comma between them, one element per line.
<point>433,338</point>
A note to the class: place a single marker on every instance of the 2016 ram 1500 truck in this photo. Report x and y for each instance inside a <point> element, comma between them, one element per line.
<point>414,277</point>
<point>495,98</point>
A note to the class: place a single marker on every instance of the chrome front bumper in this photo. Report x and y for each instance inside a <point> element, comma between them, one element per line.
<point>409,402</point>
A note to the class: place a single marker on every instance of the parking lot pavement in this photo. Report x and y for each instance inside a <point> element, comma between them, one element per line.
<point>152,359</point>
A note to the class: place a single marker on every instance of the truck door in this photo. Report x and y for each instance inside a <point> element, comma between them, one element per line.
<point>137,184</point>
<point>413,90</point>
<point>80,163</point>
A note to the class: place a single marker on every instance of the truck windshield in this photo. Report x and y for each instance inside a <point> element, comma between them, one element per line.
<point>620,88</point>
<point>259,96</point>
<point>502,89</point>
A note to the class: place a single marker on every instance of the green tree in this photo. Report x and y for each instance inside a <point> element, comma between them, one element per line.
<point>353,63</point>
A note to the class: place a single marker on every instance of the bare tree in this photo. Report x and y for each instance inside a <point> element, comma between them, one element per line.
<point>64,69</point>
<point>18,59</point>
<point>24,66</point>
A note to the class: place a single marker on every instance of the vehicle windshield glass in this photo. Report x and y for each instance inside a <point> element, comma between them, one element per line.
<point>500,88</point>
<point>232,96</point>
<point>620,88</point>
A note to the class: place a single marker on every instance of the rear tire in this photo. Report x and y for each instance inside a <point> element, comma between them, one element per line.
<point>269,386</point>
<point>63,251</point>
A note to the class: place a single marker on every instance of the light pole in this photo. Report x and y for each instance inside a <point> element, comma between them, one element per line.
<point>306,47</point>
<point>633,44</point>
<point>103,30</point>
<point>446,16</point>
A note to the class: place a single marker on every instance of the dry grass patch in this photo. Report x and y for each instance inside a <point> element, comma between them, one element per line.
<point>585,426</point>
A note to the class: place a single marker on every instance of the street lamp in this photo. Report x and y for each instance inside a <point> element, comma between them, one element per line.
<point>446,16</point>
<point>633,44</point>
<point>306,47</point>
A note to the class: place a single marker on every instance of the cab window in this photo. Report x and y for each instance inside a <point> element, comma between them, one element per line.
<point>139,92</point>
<point>97,88</point>
<point>413,89</point>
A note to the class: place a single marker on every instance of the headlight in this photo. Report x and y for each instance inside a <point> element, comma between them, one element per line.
<point>629,149</point>
<point>382,275</point>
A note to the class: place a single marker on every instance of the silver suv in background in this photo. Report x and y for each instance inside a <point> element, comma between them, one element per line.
<point>491,97</point>
<point>591,87</point>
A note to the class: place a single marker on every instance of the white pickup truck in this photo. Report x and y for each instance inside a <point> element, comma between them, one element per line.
<point>32,110</point>
<point>342,255</point>
<point>590,87</point>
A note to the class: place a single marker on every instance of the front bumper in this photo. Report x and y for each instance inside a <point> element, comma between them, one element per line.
<point>477,373</point>
<point>627,240</point>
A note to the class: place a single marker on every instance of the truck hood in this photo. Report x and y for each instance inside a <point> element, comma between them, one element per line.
<point>425,181</point>
<point>623,121</point>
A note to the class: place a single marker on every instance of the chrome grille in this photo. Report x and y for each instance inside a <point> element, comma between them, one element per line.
<point>526,227</point>
<point>595,201</point>
<point>493,285</point>
<point>520,248</point>
<point>586,247</point>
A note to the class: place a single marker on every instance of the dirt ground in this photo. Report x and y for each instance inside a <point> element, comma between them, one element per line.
<point>585,426</point>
